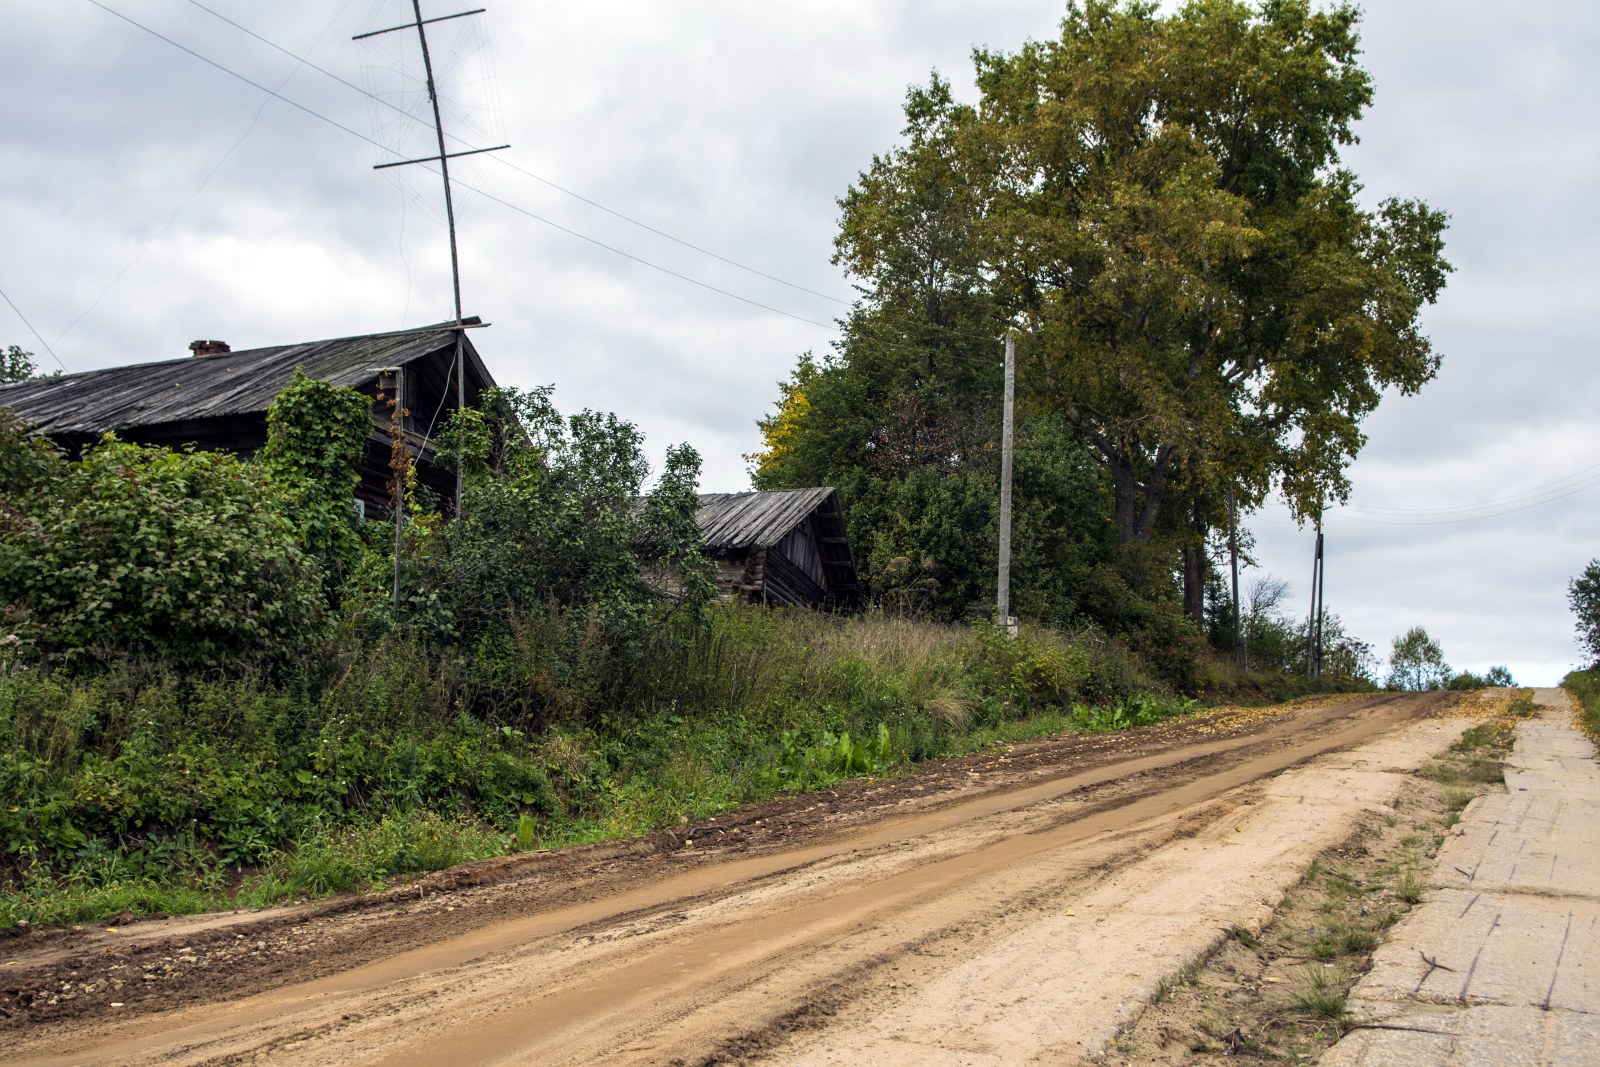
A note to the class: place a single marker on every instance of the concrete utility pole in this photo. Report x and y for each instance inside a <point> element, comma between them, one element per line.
<point>1003,595</point>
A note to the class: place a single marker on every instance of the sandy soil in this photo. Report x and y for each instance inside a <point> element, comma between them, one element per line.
<point>996,909</point>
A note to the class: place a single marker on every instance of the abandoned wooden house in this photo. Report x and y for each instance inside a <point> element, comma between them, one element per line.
<point>217,399</point>
<point>780,547</point>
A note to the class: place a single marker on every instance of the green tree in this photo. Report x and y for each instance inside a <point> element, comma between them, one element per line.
<point>1214,305</point>
<point>904,417</point>
<point>556,513</point>
<point>1583,593</point>
<point>1159,200</point>
<point>1416,662</point>
<point>16,365</point>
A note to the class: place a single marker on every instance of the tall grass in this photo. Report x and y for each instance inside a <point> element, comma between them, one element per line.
<point>139,790</point>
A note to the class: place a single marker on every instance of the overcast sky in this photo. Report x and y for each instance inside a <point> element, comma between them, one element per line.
<point>148,199</point>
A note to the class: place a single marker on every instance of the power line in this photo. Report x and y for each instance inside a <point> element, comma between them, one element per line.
<point>637,259</point>
<point>504,203</point>
<point>528,173</point>
<point>235,74</point>
<point>1477,518</point>
<point>1509,498</point>
<point>35,333</point>
<point>212,173</point>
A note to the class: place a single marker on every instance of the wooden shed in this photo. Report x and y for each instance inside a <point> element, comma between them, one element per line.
<point>217,399</point>
<point>784,546</point>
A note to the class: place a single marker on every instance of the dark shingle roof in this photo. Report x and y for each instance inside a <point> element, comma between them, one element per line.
<point>756,519</point>
<point>197,387</point>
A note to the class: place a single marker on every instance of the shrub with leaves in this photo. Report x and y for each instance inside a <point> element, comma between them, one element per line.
<point>548,570</point>
<point>182,555</point>
<point>315,435</point>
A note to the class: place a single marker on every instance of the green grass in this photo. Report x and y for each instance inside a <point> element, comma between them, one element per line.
<point>138,792</point>
<point>1322,992</point>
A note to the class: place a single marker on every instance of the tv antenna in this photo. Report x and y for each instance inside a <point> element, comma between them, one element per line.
<point>443,158</point>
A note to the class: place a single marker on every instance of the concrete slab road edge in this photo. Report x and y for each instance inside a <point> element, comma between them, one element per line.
<point>1499,966</point>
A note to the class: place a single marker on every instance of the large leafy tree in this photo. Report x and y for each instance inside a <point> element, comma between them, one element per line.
<point>1214,305</point>
<point>904,417</point>
<point>1158,200</point>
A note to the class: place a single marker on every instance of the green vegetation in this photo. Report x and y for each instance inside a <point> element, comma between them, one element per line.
<point>1583,593</point>
<point>218,683</point>
<point>1416,662</point>
<point>1156,204</point>
<point>140,789</point>
<point>1324,992</point>
<point>1585,687</point>
<point>16,365</point>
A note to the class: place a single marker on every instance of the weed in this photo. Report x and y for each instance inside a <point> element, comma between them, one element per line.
<point>1322,992</point>
<point>1356,940</point>
<point>1408,884</point>
<point>525,832</point>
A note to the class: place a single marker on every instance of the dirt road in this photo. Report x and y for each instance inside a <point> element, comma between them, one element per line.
<point>994,909</point>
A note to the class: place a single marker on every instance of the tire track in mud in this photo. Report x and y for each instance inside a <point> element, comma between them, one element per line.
<point>726,956</point>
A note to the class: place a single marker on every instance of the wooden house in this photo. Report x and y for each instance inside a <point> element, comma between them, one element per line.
<point>217,399</point>
<point>780,547</point>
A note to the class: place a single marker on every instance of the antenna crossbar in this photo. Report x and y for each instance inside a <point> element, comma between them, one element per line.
<point>436,159</point>
<point>419,23</point>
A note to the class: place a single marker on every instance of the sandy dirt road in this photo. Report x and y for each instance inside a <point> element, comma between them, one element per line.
<point>1004,908</point>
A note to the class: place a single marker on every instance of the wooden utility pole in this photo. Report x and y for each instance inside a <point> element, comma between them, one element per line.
<point>397,465</point>
<point>1314,623</point>
<point>443,159</point>
<point>1241,654</point>
<point>1322,604</point>
<point>1003,594</point>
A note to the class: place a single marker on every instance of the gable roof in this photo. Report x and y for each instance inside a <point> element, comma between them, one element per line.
<point>757,519</point>
<point>228,383</point>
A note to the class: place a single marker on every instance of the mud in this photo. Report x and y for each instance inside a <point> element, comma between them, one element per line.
<point>733,939</point>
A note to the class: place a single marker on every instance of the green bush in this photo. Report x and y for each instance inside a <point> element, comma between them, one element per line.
<point>1585,686</point>
<point>182,556</point>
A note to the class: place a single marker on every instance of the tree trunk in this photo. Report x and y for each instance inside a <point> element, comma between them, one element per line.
<point>1138,506</point>
<point>1194,573</point>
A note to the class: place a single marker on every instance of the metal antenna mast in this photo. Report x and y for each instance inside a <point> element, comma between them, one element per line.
<point>443,159</point>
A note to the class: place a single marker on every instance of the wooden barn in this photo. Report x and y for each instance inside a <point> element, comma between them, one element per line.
<point>217,399</point>
<point>780,547</point>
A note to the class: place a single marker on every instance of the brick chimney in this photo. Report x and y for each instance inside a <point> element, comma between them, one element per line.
<point>209,348</point>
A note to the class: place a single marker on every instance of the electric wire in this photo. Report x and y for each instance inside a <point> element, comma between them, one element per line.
<point>35,332</point>
<point>1479,505</point>
<point>1475,518</point>
<point>205,181</point>
<point>504,203</point>
<point>530,174</point>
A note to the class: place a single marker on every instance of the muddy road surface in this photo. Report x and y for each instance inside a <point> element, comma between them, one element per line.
<point>1010,906</point>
